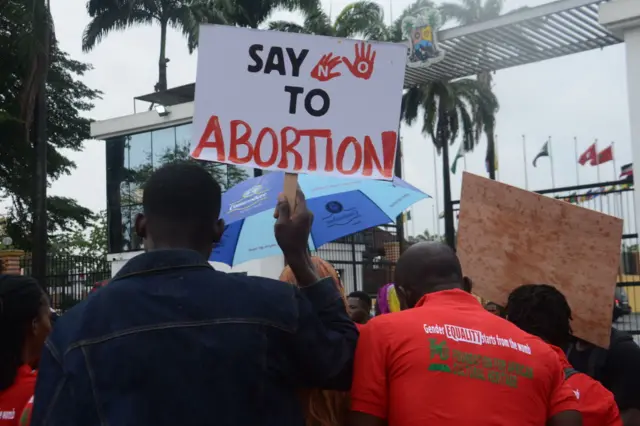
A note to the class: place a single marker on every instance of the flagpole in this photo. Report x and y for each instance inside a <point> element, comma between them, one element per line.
<point>597,162</point>
<point>575,148</point>
<point>524,152</point>
<point>464,159</point>
<point>435,177</point>
<point>413,222</point>
<point>553,174</point>
<point>495,155</point>
<point>613,160</point>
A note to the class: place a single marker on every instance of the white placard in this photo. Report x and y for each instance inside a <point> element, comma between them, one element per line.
<point>278,101</point>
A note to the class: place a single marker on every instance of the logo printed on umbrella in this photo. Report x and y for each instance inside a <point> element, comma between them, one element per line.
<point>339,216</point>
<point>250,198</point>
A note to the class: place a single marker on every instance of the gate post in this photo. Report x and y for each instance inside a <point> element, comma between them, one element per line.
<point>10,261</point>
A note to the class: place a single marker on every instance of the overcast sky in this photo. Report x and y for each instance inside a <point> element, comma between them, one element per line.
<point>581,96</point>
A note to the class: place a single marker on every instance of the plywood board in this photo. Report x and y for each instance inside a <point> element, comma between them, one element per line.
<point>508,237</point>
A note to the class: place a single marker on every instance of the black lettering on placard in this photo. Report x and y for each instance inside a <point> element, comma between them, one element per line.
<point>293,100</point>
<point>296,61</point>
<point>275,61</point>
<point>326,102</point>
<point>253,53</point>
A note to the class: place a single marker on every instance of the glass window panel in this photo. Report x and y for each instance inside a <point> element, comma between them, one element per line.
<point>183,141</point>
<point>163,143</point>
<point>136,242</point>
<point>140,166</point>
<point>125,229</point>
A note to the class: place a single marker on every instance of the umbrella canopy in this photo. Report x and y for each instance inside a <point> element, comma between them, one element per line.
<point>341,206</point>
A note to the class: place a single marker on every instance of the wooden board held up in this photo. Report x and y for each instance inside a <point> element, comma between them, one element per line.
<point>508,237</point>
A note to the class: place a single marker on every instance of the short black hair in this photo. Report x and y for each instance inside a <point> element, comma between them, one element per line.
<point>183,195</point>
<point>541,310</point>
<point>363,297</point>
<point>21,299</point>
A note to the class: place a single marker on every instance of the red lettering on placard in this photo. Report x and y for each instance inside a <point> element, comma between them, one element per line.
<point>389,144</point>
<point>342,151</point>
<point>212,129</point>
<point>351,156</point>
<point>289,147</point>
<point>241,140</point>
<point>274,148</point>
<point>312,135</point>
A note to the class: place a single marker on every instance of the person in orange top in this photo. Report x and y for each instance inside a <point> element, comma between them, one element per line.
<point>449,362</point>
<point>24,326</point>
<point>543,311</point>
<point>322,407</point>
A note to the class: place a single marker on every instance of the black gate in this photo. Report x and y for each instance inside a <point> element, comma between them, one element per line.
<point>70,278</point>
<point>364,260</point>
<point>614,198</point>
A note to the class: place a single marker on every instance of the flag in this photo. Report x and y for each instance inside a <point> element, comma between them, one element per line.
<point>626,171</point>
<point>461,153</point>
<point>406,216</point>
<point>495,162</point>
<point>544,152</point>
<point>605,155</point>
<point>589,156</point>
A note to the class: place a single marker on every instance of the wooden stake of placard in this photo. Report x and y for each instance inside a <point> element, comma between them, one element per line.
<point>508,237</point>
<point>290,190</point>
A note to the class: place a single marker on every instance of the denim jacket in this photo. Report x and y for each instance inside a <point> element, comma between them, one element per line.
<point>171,341</point>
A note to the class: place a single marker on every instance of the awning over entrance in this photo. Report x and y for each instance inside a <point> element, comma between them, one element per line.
<point>525,36</point>
<point>522,37</point>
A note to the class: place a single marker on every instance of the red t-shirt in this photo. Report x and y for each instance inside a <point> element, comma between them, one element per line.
<point>596,403</point>
<point>450,362</point>
<point>15,398</point>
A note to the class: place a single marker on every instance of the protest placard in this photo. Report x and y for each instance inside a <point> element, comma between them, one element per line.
<point>297,103</point>
<point>508,237</point>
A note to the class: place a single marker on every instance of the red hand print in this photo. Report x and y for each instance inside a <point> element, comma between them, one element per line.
<point>323,71</point>
<point>362,66</point>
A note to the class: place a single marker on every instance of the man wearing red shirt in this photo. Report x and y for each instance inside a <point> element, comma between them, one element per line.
<point>14,399</point>
<point>543,311</point>
<point>449,362</point>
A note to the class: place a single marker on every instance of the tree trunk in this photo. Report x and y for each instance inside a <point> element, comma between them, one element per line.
<point>443,135</point>
<point>491,154</point>
<point>162,61</point>
<point>400,218</point>
<point>39,209</point>
<point>484,78</point>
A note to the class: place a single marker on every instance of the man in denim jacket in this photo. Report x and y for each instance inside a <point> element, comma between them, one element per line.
<point>171,341</point>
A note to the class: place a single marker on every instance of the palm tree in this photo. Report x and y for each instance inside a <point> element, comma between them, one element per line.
<point>360,18</point>
<point>450,108</point>
<point>471,12</point>
<point>110,15</point>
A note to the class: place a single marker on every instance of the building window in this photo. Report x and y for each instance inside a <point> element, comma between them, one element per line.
<point>131,159</point>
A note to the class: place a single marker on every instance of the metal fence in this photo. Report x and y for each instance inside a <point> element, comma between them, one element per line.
<point>364,260</point>
<point>70,278</point>
<point>613,198</point>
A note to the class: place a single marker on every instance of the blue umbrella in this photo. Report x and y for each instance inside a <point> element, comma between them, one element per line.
<point>341,206</point>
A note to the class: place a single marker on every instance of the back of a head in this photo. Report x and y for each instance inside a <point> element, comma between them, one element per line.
<point>363,297</point>
<point>322,407</point>
<point>21,299</point>
<point>541,310</point>
<point>181,201</point>
<point>427,267</point>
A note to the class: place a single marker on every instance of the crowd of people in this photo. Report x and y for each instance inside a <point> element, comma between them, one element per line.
<point>172,341</point>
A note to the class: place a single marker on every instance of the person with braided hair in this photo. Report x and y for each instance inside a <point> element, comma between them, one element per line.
<point>322,407</point>
<point>542,310</point>
<point>24,326</point>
